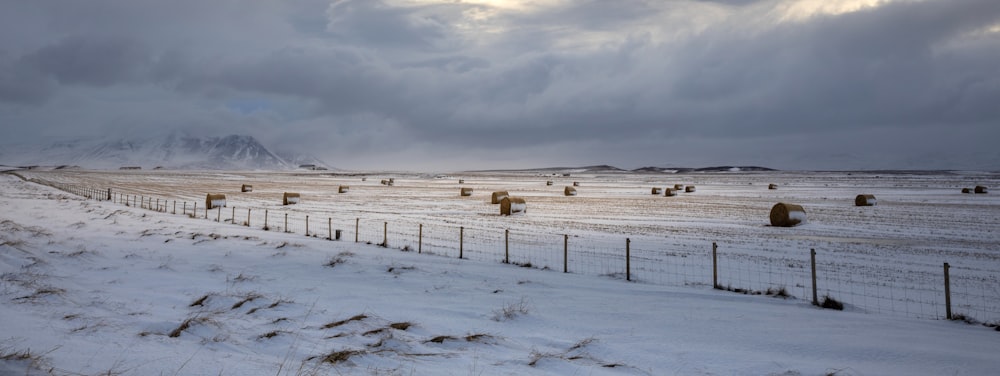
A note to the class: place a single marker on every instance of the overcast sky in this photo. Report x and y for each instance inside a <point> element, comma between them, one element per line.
<point>467,84</point>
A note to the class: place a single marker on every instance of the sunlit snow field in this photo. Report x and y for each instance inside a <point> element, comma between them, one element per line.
<point>884,262</point>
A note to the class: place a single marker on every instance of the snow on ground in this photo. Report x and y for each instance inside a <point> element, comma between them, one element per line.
<point>100,288</point>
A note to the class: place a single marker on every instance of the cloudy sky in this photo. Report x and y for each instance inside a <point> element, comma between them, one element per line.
<point>466,84</point>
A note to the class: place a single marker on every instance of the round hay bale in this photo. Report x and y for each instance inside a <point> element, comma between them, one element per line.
<point>466,192</point>
<point>657,190</point>
<point>461,181</point>
<point>787,215</point>
<point>498,196</point>
<point>343,189</point>
<point>865,200</point>
<point>576,184</point>
<point>772,186</point>
<point>689,189</point>
<point>513,205</point>
<point>246,188</point>
<point>678,187</point>
<point>290,198</point>
<point>548,182</point>
<point>669,192</point>
<point>966,190</point>
<point>214,201</point>
<point>980,189</point>
<point>569,191</point>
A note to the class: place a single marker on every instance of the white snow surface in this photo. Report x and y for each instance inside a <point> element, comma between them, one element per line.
<point>94,287</point>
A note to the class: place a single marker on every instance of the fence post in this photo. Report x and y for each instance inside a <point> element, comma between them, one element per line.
<point>628,259</point>
<point>248,217</point>
<point>420,239</point>
<point>194,210</point>
<point>461,240</point>
<point>812,262</point>
<point>357,225</point>
<point>184,210</point>
<point>175,207</point>
<point>286,222</point>
<point>506,246</point>
<point>715,266</point>
<point>232,219</point>
<point>206,210</point>
<point>566,253</point>
<point>947,292</point>
<point>307,225</point>
<point>157,204</point>
<point>329,228</point>
<point>385,234</point>
<point>218,212</point>
<point>265,219</point>
<point>142,202</point>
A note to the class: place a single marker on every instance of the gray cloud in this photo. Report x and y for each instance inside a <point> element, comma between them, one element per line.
<point>588,81</point>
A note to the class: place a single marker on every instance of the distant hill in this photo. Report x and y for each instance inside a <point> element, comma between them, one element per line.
<point>171,151</point>
<point>651,170</point>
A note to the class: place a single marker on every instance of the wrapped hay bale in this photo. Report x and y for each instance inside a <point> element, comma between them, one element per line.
<point>669,192</point>
<point>466,192</point>
<point>512,205</point>
<point>865,200</point>
<point>343,189</point>
<point>246,188</point>
<point>787,215</point>
<point>214,201</point>
<point>980,189</point>
<point>657,190</point>
<point>290,198</point>
<point>569,191</point>
<point>498,196</point>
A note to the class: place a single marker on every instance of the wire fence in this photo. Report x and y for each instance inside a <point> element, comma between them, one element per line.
<point>968,293</point>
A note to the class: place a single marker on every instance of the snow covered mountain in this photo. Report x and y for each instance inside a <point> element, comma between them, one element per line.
<point>173,151</point>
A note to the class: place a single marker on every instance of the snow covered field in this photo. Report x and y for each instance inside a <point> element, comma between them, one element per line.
<point>95,286</point>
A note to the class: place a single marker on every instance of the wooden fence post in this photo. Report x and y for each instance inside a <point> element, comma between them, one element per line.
<point>307,225</point>
<point>628,259</point>
<point>420,239</point>
<point>218,212</point>
<point>566,253</point>
<point>812,263</point>
<point>206,211</point>
<point>184,210</point>
<point>194,210</point>
<point>265,220</point>
<point>232,219</point>
<point>175,207</point>
<point>329,228</point>
<point>715,266</point>
<point>248,217</point>
<point>947,292</point>
<point>286,222</point>
<point>506,246</point>
<point>461,240</point>
<point>385,234</point>
<point>357,225</point>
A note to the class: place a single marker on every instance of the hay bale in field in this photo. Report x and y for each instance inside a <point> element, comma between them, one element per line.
<point>385,182</point>
<point>678,187</point>
<point>498,196</point>
<point>290,198</point>
<point>966,190</point>
<point>787,215</point>
<point>364,179</point>
<point>865,200</point>
<point>343,189</point>
<point>512,205</point>
<point>980,189</point>
<point>576,184</point>
<point>214,201</point>
<point>549,182</point>
<point>669,192</point>
<point>657,190</point>
<point>689,189</point>
<point>466,192</point>
<point>246,188</point>
<point>772,186</point>
<point>569,191</point>
<point>461,181</point>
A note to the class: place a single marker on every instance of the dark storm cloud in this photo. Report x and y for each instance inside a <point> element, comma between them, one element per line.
<point>617,80</point>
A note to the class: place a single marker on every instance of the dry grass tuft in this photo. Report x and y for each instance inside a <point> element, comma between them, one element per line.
<point>342,322</point>
<point>400,325</point>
